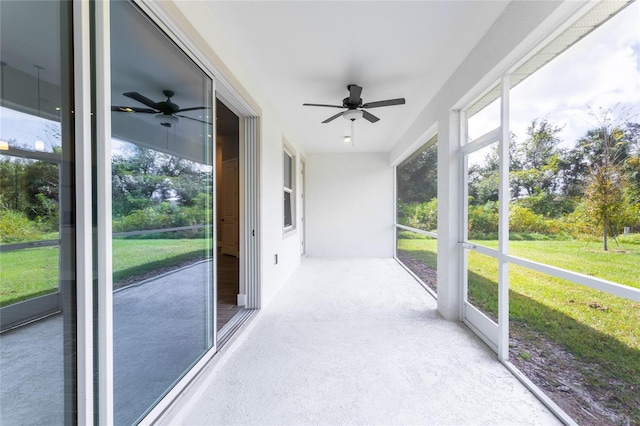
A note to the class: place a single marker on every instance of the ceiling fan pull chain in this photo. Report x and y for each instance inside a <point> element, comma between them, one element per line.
<point>353,122</point>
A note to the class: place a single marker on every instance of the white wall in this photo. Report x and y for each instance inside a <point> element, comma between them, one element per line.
<point>196,21</point>
<point>274,241</point>
<point>350,205</point>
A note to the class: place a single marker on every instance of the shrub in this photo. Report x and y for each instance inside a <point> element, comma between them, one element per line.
<point>483,220</point>
<point>15,227</point>
<point>160,216</point>
<point>419,215</point>
<point>522,219</point>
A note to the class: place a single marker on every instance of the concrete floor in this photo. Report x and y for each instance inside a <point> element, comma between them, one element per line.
<point>358,341</point>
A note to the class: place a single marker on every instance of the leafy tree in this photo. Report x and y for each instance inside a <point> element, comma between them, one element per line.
<point>604,197</point>
<point>536,162</point>
<point>142,178</point>
<point>32,188</point>
<point>418,177</point>
<point>607,149</point>
<point>483,179</point>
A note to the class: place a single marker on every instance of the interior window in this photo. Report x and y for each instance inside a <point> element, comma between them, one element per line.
<point>288,162</point>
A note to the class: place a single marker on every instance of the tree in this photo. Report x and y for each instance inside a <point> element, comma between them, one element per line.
<point>143,177</point>
<point>536,162</point>
<point>418,178</point>
<point>604,197</point>
<point>606,149</point>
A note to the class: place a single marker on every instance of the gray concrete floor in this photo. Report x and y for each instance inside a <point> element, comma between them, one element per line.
<point>358,341</point>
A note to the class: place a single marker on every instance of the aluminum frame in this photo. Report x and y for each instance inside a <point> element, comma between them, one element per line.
<point>84,231</point>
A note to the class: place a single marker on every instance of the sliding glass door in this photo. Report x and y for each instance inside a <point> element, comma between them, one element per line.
<point>161,195</point>
<point>38,343</point>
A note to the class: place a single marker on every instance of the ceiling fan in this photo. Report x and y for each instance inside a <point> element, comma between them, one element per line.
<point>355,108</point>
<point>166,111</point>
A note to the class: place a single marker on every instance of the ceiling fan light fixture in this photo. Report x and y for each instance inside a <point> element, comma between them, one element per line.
<point>166,118</point>
<point>352,114</point>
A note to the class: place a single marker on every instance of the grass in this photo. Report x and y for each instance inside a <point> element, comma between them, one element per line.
<point>599,329</point>
<point>621,264</point>
<point>34,272</point>
<point>28,273</point>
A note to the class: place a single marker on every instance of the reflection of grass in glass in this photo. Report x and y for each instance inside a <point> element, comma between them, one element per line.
<point>34,272</point>
<point>137,257</point>
<point>597,328</point>
<point>28,273</point>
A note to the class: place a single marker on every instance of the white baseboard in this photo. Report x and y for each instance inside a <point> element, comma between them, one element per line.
<point>242,299</point>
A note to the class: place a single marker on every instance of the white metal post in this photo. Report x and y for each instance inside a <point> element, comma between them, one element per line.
<point>503,226</point>
<point>103,176</point>
<point>84,241</point>
<point>464,212</point>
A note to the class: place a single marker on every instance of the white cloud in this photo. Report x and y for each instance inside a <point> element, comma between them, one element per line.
<point>601,71</point>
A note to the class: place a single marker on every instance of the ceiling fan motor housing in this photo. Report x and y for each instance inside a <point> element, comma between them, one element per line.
<point>346,104</point>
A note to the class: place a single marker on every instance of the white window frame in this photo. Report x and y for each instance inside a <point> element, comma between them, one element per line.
<point>288,151</point>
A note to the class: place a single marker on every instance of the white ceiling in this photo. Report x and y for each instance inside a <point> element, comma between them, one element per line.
<point>310,52</point>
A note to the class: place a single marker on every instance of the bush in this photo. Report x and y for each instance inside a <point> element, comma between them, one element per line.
<point>419,215</point>
<point>483,220</point>
<point>160,216</point>
<point>548,205</point>
<point>522,219</point>
<point>15,227</point>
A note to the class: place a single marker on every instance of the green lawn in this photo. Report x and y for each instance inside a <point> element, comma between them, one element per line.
<point>34,272</point>
<point>621,264</point>
<point>599,329</point>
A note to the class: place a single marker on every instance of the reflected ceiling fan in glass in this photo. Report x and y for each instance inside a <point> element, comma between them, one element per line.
<point>166,111</point>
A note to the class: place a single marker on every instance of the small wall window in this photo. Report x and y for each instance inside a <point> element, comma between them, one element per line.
<point>289,190</point>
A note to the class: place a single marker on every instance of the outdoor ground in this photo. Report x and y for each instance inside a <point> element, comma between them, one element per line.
<point>581,348</point>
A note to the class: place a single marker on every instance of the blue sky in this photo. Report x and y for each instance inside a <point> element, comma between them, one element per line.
<point>602,71</point>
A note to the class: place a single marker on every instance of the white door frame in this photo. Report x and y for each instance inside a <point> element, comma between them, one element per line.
<point>222,89</point>
<point>496,336</point>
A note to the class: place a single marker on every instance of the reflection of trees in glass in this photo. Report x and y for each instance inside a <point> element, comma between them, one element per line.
<point>29,196</point>
<point>153,190</point>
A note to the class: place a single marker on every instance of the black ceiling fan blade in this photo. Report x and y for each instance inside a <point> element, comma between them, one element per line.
<point>333,117</point>
<point>368,116</point>
<point>324,105</point>
<point>354,94</point>
<point>191,118</point>
<point>193,108</point>
<point>388,102</point>
<point>133,109</point>
<point>142,99</point>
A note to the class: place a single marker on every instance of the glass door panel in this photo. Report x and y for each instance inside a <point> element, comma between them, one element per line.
<point>37,230</point>
<point>162,183</point>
